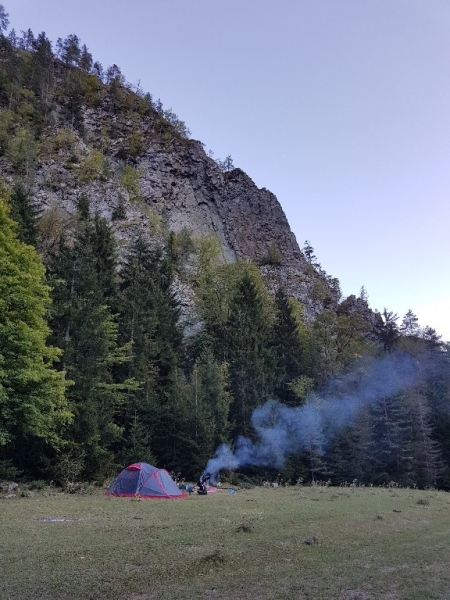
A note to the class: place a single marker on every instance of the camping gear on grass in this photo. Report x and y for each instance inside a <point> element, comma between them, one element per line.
<point>145,481</point>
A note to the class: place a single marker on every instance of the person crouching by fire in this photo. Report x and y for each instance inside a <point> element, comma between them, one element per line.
<point>201,484</point>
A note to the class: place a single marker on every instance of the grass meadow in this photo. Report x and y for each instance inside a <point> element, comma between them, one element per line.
<point>291,543</point>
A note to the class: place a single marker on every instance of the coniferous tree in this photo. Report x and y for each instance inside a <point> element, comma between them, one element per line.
<point>137,326</point>
<point>250,360</point>
<point>410,324</point>
<point>323,350</point>
<point>391,444</point>
<point>214,391</point>
<point>24,213</point>
<point>4,20</point>
<point>149,315</point>
<point>427,462</point>
<point>386,330</point>
<point>313,442</point>
<point>210,404</point>
<point>289,350</point>
<point>72,108</point>
<point>343,457</point>
<point>83,276</point>
<point>42,78</point>
<point>85,61</point>
<point>69,50</point>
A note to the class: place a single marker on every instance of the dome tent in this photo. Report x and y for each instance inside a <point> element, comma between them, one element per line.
<point>144,481</point>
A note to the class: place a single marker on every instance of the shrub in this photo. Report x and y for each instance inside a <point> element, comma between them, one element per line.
<point>272,257</point>
<point>92,167</point>
<point>135,145</point>
<point>37,485</point>
<point>129,178</point>
<point>64,140</point>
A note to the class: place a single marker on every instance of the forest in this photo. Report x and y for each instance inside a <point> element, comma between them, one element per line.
<point>97,369</point>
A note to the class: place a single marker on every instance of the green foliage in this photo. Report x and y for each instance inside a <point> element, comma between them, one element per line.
<point>92,167</point>
<point>273,256</point>
<point>300,387</point>
<point>6,128</point>
<point>148,323</point>
<point>289,344</point>
<point>386,330</point>
<point>68,50</point>
<point>209,406</point>
<point>8,470</point>
<point>63,141</point>
<point>24,213</point>
<point>208,252</point>
<point>92,90</point>
<point>129,178</point>
<point>215,286</point>
<point>135,145</point>
<point>119,212</point>
<point>32,401</point>
<point>22,151</point>
<point>247,350</point>
<point>72,98</point>
<point>84,282</point>
<point>335,342</point>
<point>180,247</point>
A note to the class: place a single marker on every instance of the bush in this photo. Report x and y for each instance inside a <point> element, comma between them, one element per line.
<point>272,257</point>
<point>135,145</point>
<point>129,178</point>
<point>8,471</point>
<point>92,167</point>
<point>64,140</point>
<point>37,485</point>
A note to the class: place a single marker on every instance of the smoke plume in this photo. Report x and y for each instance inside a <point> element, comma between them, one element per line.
<point>281,431</point>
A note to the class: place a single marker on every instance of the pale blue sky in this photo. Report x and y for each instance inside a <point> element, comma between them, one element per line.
<point>339,107</point>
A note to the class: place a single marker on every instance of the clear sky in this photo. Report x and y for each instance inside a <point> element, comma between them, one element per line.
<point>339,107</point>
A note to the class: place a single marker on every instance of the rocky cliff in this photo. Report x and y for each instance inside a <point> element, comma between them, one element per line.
<point>133,160</point>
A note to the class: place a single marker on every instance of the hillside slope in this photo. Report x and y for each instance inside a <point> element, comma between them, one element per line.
<point>114,146</point>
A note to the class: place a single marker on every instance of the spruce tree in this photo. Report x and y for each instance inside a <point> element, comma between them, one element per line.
<point>149,322</point>
<point>83,276</point>
<point>391,451</point>
<point>386,330</point>
<point>250,359</point>
<point>427,459</point>
<point>289,350</point>
<point>24,213</point>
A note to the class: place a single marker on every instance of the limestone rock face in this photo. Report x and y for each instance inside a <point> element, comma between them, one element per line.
<point>186,189</point>
<point>256,222</point>
<point>180,188</point>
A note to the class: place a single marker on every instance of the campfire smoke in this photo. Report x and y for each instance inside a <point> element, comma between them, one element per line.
<point>281,431</point>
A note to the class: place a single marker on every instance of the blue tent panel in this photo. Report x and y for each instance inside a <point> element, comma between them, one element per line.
<point>145,481</point>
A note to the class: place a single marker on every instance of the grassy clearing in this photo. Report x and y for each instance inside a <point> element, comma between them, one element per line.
<point>291,543</point>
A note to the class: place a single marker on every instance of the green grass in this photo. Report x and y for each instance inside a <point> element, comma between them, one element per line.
<point>364,543</point>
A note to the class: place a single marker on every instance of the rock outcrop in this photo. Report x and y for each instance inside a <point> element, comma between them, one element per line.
<point>178,187</point>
